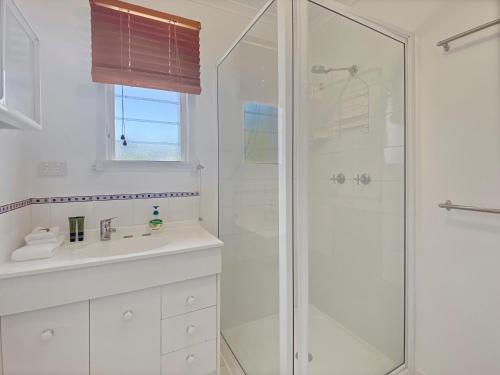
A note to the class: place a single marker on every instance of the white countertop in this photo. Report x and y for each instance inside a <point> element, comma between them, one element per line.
<point>174,238</point>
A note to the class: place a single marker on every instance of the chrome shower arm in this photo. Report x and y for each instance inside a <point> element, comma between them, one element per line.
<point>320,69</point>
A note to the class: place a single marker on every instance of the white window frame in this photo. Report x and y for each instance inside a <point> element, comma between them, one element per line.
<point>109,100</point>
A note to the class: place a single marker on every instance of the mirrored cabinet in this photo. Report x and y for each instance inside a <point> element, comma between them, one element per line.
<point>19,62</point>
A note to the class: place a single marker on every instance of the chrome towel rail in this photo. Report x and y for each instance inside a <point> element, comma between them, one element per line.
<point>446,42</point>
<point>450,206</point>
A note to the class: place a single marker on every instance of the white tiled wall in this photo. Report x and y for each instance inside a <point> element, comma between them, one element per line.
<point>14,226</point>
<point>13,188</point>
<point>127,212</point>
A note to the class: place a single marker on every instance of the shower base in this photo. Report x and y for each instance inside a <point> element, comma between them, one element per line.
<point>334,349</point>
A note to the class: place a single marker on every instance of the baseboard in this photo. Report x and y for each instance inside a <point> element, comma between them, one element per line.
<point>228,359</point>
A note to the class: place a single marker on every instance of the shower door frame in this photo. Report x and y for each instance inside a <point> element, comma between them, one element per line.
<point>292,68</point>
<point>300,172</point>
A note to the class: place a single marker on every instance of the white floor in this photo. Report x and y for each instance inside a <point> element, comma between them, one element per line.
<point>335,350</point>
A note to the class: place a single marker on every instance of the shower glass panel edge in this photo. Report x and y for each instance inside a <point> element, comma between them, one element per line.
<point>300,146</point>
<point>286,217</point>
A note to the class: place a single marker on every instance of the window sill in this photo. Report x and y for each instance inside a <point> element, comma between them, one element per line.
<point>141,165</point>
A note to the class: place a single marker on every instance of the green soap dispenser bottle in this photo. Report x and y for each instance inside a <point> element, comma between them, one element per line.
<point>156,223</point>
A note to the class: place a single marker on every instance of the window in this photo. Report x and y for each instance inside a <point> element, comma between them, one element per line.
<point>150,60</point>
<point>148,125</point>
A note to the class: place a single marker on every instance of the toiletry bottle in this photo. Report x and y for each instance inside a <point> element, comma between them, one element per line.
<point>72,229</point>
<point>156,223</point>
<point>80,224</point>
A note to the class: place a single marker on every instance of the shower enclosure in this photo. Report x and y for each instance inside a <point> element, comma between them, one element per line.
<point>312,111</point>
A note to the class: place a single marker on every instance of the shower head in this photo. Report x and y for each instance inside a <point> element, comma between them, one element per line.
<point>320,69</point>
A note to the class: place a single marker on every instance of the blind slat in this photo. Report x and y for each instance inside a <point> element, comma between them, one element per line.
<point>141,49</point>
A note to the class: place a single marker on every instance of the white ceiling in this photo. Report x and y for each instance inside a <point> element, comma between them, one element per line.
<point>257,4</point>
<point>248,7</point>
<point>411,15</point>
<point>254,4</point>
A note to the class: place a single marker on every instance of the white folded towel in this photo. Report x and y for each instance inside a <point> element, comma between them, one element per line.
<point>41,235</point>
<point>43,241</point>
<point>30,252</point>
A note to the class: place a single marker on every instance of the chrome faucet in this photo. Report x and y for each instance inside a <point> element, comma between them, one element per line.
<point>106,229</point>
<point>363,178</point>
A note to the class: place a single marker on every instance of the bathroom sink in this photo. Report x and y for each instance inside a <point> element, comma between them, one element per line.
<point>124,245</point>
<point>137,242</point>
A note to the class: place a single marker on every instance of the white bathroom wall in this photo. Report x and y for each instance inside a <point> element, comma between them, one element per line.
<point>458,156</point>
<point>73,116</point>
<point>458,259</point>
<point>13,188</point>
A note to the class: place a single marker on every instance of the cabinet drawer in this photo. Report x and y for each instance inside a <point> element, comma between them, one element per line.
<point>189,329</point>
<point>125,334</point>
<point>187,296</point>
<point>196,360</point>
<point>52,341</point>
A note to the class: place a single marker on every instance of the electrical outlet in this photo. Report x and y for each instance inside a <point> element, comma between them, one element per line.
<point>52,169</point>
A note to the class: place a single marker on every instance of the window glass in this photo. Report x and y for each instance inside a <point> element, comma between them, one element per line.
<point>147,124</point>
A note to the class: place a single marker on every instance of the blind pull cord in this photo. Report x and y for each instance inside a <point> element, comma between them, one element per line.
<point>123,138</point>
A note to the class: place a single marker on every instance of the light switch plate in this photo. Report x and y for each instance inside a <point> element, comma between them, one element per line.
<point>52,169</point>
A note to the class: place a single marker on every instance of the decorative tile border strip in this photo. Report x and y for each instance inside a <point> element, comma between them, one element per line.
<point>93,198</point>
<point>14,206</point>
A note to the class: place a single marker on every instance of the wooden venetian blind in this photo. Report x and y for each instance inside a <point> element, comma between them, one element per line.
<point>137,46</point>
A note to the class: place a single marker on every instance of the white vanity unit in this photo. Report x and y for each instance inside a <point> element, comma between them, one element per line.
<point>146,304</point>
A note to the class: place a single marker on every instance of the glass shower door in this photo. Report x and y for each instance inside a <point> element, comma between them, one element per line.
<point>248,197</point>
<point>354,161</point>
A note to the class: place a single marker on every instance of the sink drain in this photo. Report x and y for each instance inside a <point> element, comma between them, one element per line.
<point>310,356</point>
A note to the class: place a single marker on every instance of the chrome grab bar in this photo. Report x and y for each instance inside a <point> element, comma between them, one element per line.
<point>450,206</point>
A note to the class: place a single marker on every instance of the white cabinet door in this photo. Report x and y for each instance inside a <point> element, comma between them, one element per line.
<point>20,90</point>
<point>52,341</point>
<point>125,334</point>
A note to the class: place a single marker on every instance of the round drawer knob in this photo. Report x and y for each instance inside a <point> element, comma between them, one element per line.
<point>190,359</point>
<point>47,334</point>
<point>191,300</point>
<point>190,329</point>
<point>127,315</point>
